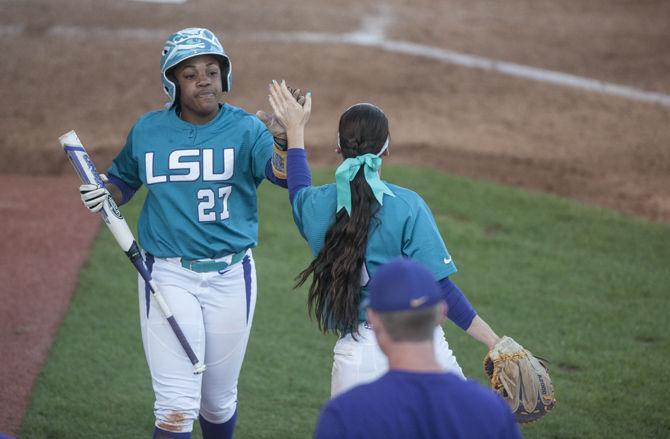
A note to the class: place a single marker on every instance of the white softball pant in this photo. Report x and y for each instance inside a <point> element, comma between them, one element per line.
<point>215,311</point>
<point>361,361</point>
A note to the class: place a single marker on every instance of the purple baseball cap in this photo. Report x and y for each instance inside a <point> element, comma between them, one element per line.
<point>403,285</point>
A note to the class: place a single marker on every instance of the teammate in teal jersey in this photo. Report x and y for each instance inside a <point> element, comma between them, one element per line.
<point>201,161</point>
<point>353,227</point>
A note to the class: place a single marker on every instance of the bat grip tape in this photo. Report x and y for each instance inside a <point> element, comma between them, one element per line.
<point>135,257</point>
<point>182,339</point>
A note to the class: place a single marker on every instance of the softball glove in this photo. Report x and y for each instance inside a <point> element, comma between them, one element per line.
<point>521,379</point>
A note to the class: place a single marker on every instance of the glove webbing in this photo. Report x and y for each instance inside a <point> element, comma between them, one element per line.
<point>495,379</point>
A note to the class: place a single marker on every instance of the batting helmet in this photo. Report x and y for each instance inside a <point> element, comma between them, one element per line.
<point>186,44</point>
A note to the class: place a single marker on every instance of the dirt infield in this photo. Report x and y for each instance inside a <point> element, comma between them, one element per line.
<point>92,65</point>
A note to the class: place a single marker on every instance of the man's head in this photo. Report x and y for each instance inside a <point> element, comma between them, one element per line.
<point>405,303</point>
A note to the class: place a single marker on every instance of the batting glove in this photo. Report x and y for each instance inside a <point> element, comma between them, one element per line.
<point>274,126</point>
<point>93,195</point>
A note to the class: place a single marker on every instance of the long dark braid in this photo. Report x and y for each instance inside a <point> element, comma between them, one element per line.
<point>334,293</point>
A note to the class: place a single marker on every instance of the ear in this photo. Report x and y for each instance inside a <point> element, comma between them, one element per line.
<point>383,339</point>
<point>338,149</point>
<point>442,313</point>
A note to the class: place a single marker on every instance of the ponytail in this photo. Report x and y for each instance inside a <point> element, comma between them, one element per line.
<point>334,293</point>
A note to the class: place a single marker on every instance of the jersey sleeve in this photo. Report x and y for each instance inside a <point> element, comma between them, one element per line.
<point>261,150</point>
<point>125,166</point>
<point>303,207</point>
<point>422,242</point>
<point>313,208</point>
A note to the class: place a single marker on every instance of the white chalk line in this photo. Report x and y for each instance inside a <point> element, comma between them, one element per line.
<point>470,61</point>
<point>374,38</point>
<point>108,33</point>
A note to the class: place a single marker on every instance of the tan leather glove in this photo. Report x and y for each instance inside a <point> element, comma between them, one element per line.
<point>521,379</point>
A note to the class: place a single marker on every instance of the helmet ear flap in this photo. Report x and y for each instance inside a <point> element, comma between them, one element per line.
<point>174,90</point>
<point>226,73</point>
<point>177,95</point>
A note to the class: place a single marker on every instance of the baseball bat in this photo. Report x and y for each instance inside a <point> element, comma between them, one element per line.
<point>117,224</point>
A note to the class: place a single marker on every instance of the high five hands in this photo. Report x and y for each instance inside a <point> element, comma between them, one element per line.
<point>291,114</point>
<point>272,124</point>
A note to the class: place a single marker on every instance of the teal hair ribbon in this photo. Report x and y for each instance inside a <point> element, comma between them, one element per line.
<point>347,171</point>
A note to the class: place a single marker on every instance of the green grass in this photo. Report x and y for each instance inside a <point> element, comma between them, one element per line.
<point>584,287</point>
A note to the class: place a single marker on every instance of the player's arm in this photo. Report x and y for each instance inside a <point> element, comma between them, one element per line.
<point>293,114</point>
<point>116,182</point>
<point>115,192</point>
<point>459,309</point>
<point>271,174</point>
<point>265,161</point>
<point>277,168</point>
<point>299,174</point>
<point>120,190</point>
<point>463,314</point>
<point>423,242</point>
<point>93,195</point>
<point>482,332</point>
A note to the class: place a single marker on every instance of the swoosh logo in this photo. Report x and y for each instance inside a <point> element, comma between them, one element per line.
<point>447,261</point>
<point>414,303</point>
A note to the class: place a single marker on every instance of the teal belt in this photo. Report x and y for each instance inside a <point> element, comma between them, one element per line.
<point>205,266</point>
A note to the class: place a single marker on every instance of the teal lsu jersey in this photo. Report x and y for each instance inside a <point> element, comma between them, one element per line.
<point>201,181</point>
<point>405,227</point>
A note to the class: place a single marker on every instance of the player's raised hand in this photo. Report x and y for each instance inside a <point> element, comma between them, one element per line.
<point>291,113</point>
<point>277,130</point>
<point>296,94</point>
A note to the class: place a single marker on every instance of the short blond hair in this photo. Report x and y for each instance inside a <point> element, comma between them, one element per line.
<point>413,326</point>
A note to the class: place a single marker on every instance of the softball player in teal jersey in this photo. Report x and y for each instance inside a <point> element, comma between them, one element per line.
<point>353,227</point>
<point>201,162</point>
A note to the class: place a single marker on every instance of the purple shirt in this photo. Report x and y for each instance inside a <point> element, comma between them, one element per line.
<point>416,405</point>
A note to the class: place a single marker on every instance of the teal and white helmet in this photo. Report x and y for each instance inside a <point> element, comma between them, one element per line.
<point>186,44</point>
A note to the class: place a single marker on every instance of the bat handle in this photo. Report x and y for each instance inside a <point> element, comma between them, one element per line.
<point>135,257</point>
<point>198,367</point>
